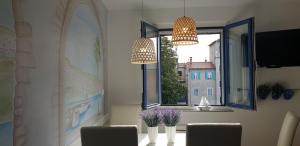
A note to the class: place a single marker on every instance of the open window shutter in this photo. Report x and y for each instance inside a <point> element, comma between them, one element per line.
<point>239,65</point>
<point>151,72</point>
<point>199,75</point>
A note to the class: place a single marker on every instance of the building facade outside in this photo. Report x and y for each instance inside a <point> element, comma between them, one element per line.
<point>201,82</point>
<point>200,78</point>
<point>203,79</point>
<point>215,58</point>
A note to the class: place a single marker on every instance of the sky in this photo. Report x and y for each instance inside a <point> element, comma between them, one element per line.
<point>199,52</point>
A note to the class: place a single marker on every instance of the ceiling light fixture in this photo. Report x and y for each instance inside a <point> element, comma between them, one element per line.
<point>184,31</point>
<point>143,50</point>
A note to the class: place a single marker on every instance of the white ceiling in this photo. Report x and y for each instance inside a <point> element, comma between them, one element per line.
<point>160,4</point>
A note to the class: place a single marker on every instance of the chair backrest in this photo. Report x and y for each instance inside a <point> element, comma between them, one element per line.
<point>109,136</point>
<point>288,130</point>
<point>214,134</point>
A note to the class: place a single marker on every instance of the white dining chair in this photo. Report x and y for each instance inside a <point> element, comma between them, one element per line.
<point>288,129</point>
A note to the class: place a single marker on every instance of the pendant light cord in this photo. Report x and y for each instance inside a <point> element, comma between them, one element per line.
<point>142,11</point>
<point>184,8</point>
<point>142,17</point>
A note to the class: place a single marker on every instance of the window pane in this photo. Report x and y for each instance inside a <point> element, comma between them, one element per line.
<point>151,76</point>
<point>210,92</point>
<point>151,84</point>
<point>188,71</point>
<point>239,80</point>
<point>239,66</point>
<point>195,92</point>
<point>173,86</point>
<point>180,73</point>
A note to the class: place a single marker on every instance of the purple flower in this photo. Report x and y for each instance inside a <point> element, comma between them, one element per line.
<point>170,117</point>
<point>151,117</point>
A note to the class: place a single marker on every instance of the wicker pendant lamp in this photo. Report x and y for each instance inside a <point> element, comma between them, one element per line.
<point>143,50</point>
<point>184,31</point>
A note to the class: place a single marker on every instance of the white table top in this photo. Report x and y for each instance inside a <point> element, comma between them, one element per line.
<point>162,140</point>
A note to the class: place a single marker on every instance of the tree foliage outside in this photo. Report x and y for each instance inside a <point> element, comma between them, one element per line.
<point>172,89</point>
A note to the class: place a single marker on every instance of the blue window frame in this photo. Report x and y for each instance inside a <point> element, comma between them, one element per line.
<point>239,65</point>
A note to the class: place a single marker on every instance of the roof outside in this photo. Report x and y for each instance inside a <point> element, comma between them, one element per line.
<point>197,65</point>
<point>202,65</point>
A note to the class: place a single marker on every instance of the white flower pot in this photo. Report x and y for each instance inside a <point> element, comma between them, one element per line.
<point>171,132</point>
<point>152,134</point>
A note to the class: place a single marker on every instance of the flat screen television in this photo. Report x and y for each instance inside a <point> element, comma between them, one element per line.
<point>278,48</point>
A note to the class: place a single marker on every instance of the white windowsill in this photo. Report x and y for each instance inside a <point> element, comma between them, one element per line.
<point>199,109</point>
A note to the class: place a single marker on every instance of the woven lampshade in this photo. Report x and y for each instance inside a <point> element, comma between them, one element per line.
<point>143,52</point>
<point>184,32</point>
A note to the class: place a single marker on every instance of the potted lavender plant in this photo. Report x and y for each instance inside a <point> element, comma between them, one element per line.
<point>152,120</point>
<point>170,118</point>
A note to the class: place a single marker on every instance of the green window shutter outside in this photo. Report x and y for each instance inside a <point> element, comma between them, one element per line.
<point>199,75</point>
<point>192,76</point>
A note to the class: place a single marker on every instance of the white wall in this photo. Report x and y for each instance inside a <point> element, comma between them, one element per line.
<point>260,127</point>
<point>124,79</point>
<point>42,103</point>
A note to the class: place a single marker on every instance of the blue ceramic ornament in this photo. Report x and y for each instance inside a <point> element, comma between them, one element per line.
<point>263,91</point>
<point>277,91</point>
<point>288,94</point>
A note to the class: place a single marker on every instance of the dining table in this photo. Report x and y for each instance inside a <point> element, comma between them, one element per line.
<point>161,140</point>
